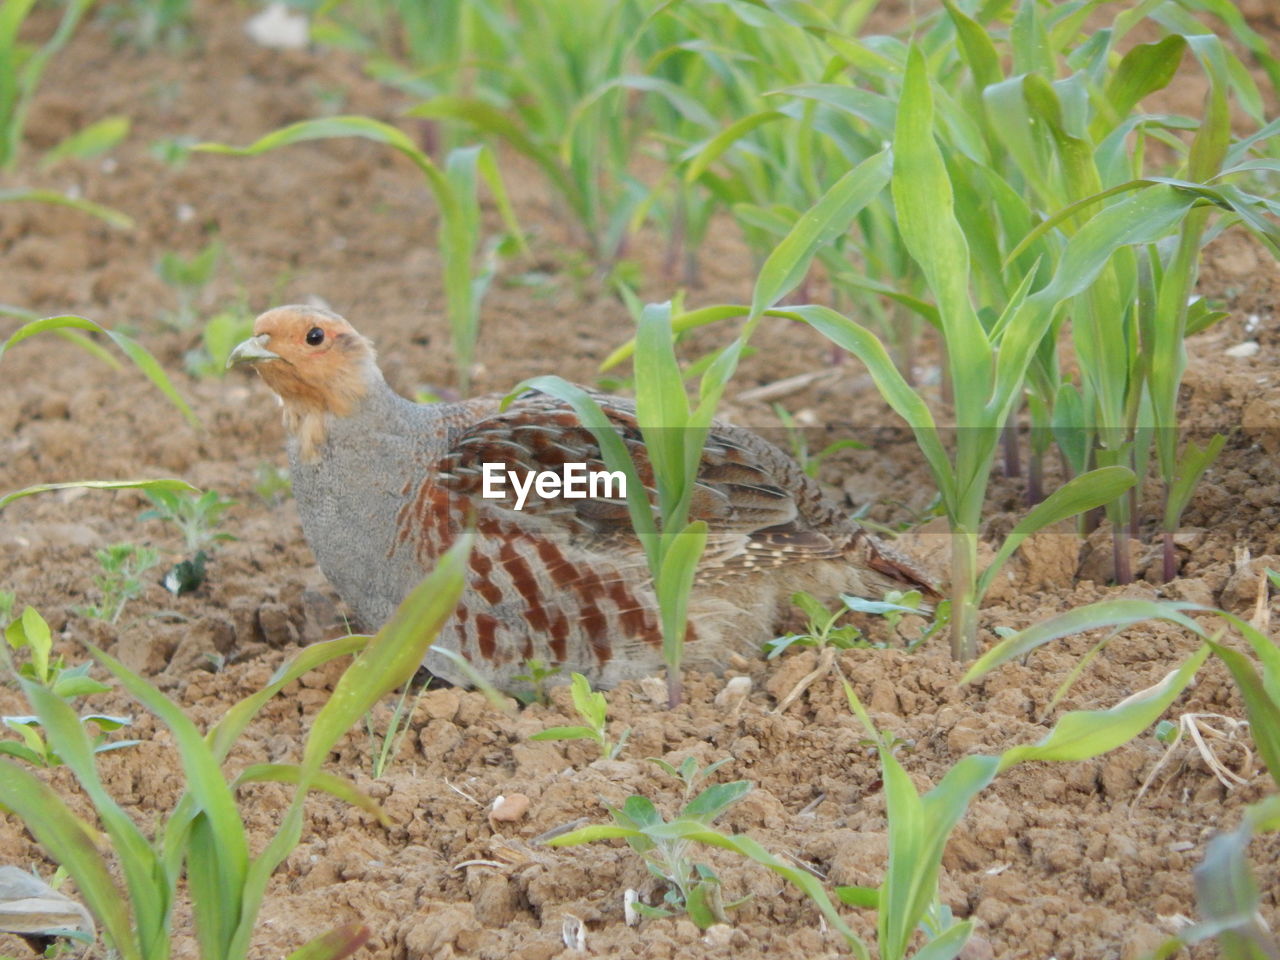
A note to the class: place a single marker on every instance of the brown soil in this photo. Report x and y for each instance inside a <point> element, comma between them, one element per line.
<point>1051,860</point>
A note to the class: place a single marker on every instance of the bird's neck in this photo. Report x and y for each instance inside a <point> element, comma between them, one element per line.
<point>366,401</point>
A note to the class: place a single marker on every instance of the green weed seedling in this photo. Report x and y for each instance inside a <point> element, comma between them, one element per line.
<point>120,581</point>
<point>221,333</point>
<point>667,846</point>
<point>195,516</point>
<point>273,484</point>
<point>820,629</point>
<point>811,463</point>
<point>387,746</point>
<point>537,673</point>
<point>188,276</point>
<point>31,632</point>
<point>593,708</point>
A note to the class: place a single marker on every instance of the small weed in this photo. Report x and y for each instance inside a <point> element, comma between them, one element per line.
<point>593,708</point>
<point>188,277</point>
<point>811,463</point>
<point>31,632</point>
<point>195,516</point>
<point>387,746</point>
<point>689,773</point>
<point>536,676</point>
<point>123,565</point>
<point>221,333</point>
<point>272,483</point>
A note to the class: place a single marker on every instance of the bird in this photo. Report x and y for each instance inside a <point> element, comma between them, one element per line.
<point>384,485</point>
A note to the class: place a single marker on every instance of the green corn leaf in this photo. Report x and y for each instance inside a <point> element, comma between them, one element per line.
<point>662,407</point>
<point>674,582</point>
<point>1077,496</point>
<point>167,484</point>
<point>95,139</point>
<point>71,842</point>
<point>226,842</point>
<point>1194,462</point>
<point>702,156</point>
<point>827,219</point>
<point>107,214</point>
<point>335,786</point>
<point>1107,613</point>
<point>1146,68</point>
<point>905,401</point>
<point>227,730</point>
<point>391,657</point>
<point>924,200</point>
<point>1263,710</point>
<point>564,733</point>
<point>1083,734</point>
<point>143,360</point>
<point>612,449</point>
<point>976,47</point>
<point>336,944</point>
<point>601,831</point>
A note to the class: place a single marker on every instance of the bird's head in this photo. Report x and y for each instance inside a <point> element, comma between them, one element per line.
<point>316,363</point>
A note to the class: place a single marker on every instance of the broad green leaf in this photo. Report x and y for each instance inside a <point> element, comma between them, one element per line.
<point>674,582</point>
<point>1076,496</point>
<point>1146,68</point>
<point>1083,734</point>
<point>830,217</point>
<point>32,632</point>
<point>1107,613</point>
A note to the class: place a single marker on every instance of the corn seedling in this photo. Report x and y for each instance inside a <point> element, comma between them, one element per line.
<point>593,708</point>
<point>120,581</point>
<point>187,277</point>
<point>94,140</point>
<point>673,434</point>
<point>467,268</point>
<point>30,632</point>
<point>22,65</point>
<point>919,826</point>
<point>204,835</point>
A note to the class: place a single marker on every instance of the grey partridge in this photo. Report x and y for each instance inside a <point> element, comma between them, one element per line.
<point>385,485</point>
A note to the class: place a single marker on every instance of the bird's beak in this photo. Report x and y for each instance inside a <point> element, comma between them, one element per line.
<point>253,350</point>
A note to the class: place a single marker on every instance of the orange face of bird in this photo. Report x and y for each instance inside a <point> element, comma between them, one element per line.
<point>312,358</point>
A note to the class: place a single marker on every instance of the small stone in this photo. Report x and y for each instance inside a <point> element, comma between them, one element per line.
<point>509,809</point>
<point>1242,350</point>
<point>279,28</point>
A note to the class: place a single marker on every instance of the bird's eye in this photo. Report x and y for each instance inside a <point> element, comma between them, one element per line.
<point>315,336</point>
